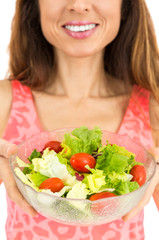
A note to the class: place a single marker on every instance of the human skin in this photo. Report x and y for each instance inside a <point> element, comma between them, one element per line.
<point>81,92</point>
<point>55,14</point>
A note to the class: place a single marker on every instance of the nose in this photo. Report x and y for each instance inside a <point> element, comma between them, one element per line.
<point>79,6</point>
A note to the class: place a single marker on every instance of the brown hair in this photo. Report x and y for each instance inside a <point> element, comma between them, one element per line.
<point>133,55</point>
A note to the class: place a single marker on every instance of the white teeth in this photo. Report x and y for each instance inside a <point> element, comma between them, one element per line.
<point>87,27</point>
<point>71,28</point>
<point>76,29</point>
<point>81,28</point>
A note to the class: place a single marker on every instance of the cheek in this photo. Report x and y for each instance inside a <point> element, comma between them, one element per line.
<point>110,12</point>
<point>111,26</point>
<point>48,26</point>
<point>50,12</point>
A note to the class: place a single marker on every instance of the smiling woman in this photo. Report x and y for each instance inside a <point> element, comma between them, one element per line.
<point>98,25</point>
<point>74,62</point>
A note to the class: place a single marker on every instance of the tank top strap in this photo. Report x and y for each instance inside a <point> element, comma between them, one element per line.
<point>23,120</point>
<point>136,122</point>
<point>20,92</point>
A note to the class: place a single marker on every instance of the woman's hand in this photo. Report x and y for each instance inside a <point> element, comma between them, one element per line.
<point>150,191</point>
<point>7,149</point>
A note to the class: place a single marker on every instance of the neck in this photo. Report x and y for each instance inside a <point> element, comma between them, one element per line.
<point>79,78</point>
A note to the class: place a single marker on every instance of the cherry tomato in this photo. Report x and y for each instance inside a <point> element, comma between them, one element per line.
<point>98,207</point>
<point>54,145</point>
<point>54,184</point>
<point>139,174</point>
<point>101,195</point>
<point>80,160</point>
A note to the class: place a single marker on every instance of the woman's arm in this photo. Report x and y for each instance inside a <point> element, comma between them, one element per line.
<point>154,120</point>
<point>6,149</point>
<point>153,188</point>
<point>5,104</point>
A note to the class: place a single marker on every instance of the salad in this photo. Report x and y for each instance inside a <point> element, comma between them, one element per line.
<point>80,167</point>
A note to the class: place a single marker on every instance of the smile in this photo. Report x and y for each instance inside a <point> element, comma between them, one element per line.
<point>80,28</point>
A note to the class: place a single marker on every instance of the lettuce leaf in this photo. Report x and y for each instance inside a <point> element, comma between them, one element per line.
<point>52,165</point>
<point>32,180</point>
<point>120,182</point>
<point>83,140</point>
<point>126,187</point>
<point>27,168</point>
<point>64,160</point>
<point>21,163</point>
<point>113,179</point>
<point>115,158</point>
<point>36,178</point>
<point>23,178</point>
<point>79,191</point>
<point>94,181</point>
<point>34,154</point>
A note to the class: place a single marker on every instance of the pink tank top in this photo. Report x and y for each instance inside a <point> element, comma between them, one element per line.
<point>23,123</point>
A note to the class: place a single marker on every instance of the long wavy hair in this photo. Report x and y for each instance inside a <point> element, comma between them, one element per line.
<point>132,56</point>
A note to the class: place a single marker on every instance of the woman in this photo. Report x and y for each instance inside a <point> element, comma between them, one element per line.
<point>72,63</point>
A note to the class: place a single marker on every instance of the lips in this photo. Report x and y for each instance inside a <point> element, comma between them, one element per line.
<point>80,29</point>
<point>78,23</point>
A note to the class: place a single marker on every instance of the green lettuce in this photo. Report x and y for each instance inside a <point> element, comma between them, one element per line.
<point>82,140</point>
<point>115,158</point>
<point>116,163</point>
<point>27,168</point>
<point>34,154</point>
<point>79,191</point>
<point>113,178</point>
<point>120,182</point>
<point>52,165</point>
<point>95,180</point>
<point>24,178</point>
<point>36,178</point>
<point>126,187</point>
<point>33,182</point>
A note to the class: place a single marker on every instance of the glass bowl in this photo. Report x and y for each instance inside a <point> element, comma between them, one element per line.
<point>79,211</point>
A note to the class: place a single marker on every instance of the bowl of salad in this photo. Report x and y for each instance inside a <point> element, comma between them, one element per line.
<point>82,176</point>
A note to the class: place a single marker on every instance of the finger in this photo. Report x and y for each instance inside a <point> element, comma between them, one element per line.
<point>154,151</point>
<point>136,210</point>
<point>15,195</point>
<point>12,190</point>
<point>143,202</point>
<point>6,148</point>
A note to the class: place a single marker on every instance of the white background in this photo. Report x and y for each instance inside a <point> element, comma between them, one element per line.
<point>6,14</point>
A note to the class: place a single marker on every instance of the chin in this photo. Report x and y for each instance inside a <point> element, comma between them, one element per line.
<point>82,53</point>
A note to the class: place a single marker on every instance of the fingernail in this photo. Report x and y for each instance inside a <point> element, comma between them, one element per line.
<point>8,150</point>
<point>11,149</point>
<point>155,153</point>
<point>35,215</point>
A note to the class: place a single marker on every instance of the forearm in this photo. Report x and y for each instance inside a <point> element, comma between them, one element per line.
<point>156,196</point>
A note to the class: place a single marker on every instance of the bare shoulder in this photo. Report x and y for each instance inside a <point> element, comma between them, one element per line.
<point>154,119</point>
<point>5,103</point>
<point>5,92</point>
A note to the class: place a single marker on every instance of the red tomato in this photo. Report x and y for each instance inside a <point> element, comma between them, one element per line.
<point>80,160</point>
<point>139,174</point>
<point>101,195</point>
<point>54,145</point>
<point>99,207</point>
<point>54,184</point>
